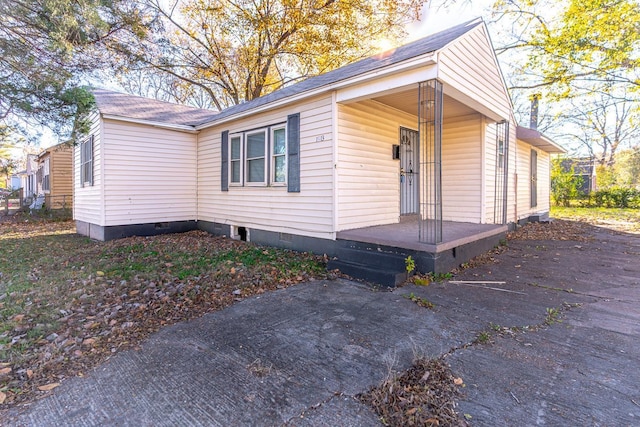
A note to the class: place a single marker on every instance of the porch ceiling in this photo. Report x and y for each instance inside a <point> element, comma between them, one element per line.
<point>407,101</point>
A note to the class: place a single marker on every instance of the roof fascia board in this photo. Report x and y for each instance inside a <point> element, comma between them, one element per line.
<point>169,126</point>
<point>398,82</point>
<point>421,60</point>
<point>471,102</point>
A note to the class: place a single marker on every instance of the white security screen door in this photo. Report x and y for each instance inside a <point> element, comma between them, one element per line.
<point>409,165</point>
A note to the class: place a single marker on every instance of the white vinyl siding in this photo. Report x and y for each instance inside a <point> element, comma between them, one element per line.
<point>273,208</point>
<point>469,65</point>
<point>88,205</point>
<point>462,188</point>
<point>150,174</point>
<point>524,180</point>
<point>368,176</point>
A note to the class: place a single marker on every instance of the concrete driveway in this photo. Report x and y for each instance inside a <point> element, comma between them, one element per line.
<point>561,347</point>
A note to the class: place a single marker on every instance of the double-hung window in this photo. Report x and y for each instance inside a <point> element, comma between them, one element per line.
<point>278,156</point>
<point>235,160</point>
<point>256,155</point>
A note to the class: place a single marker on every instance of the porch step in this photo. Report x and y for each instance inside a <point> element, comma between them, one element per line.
<point>384,277</point>
<point>371,263</point>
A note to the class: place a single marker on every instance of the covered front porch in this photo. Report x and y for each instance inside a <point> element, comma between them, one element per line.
<point>378,254</point>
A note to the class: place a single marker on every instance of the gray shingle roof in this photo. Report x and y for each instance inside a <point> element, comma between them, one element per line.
<point>140,108</point>
<point>419,47</point>
<point>135,107</point>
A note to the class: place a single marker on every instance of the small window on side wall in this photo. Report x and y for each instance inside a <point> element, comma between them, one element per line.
<point>86,162</point>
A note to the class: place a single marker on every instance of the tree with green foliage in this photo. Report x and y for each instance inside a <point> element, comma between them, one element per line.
<point>575,46</point>
<point>238,50</point>
<point>46,46</point>
<point>565,184</point>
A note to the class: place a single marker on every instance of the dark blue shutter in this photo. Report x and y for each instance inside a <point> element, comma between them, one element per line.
<point>293,153</point>
<point>224,155</point>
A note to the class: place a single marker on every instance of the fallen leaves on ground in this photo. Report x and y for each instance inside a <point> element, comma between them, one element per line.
<point>424,395</point>
<point>68,303</point>
<point>555,230</point>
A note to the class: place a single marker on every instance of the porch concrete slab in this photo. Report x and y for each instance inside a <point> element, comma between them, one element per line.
<point>405,235</point>
<point>299,356</point>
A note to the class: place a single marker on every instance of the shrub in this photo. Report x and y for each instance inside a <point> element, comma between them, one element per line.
<point>616,197</point>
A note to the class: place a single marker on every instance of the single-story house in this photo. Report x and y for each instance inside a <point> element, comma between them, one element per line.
<point>54,176</point>
<point>413,152</point>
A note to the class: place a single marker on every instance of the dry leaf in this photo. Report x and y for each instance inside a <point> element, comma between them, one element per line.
<point>3,397</point>
<point>48,387</point>
<point>100,273</point>
<point>4,364</point>
<point>88,341</point>
<point>18,317</point>
<point>411,411</point>
<point>432,422</point>
<point>5,371</point>
<point>29,373</point>
<point>458,381</point>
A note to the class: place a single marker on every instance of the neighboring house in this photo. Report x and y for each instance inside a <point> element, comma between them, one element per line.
<point>54,177</point>
<point>585,168</point>
<point>28,177</point>
<point>411,152</point>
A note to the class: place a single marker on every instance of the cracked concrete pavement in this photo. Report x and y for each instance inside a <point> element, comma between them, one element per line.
<point>562,349</point>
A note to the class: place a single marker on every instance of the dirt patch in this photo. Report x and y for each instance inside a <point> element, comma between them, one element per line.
<point>424,395</point>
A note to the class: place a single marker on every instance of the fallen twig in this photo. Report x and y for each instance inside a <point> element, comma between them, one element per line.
<point>457,282</point>
<point>479,282</point>
<point>635,403</point>
<point>514,397</point>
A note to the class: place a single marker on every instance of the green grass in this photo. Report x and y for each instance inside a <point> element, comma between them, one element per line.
<point>621,219</point>
<point>47,272</point>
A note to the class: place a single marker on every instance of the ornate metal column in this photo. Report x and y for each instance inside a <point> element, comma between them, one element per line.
<point>430,127</point>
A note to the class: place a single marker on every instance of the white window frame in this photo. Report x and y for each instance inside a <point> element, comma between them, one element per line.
<point>240,161</point>
<point>273,156</point>
<point>263,157</point>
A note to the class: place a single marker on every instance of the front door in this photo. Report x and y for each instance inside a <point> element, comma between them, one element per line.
<point>409,171</point>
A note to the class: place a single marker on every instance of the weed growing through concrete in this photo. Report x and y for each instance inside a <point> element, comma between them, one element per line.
<point>422,302</point>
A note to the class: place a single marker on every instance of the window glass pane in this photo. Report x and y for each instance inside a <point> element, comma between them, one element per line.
<point>235,171</point>
<point>255,145</point>
<point>255,170</point>
<point>278,141</point>
<point>279,169</point>
<point>235,148</point>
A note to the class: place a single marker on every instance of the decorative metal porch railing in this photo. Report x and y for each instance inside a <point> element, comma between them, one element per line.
<point>430,127</point>
<point>502,173</point>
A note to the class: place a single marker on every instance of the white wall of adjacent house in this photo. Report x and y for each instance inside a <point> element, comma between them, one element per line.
<point>88,204</point>
<point>149,174</point>
<point>524,180</point>
<point>271,207</point>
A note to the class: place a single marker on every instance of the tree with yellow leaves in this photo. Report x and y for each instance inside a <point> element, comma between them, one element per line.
<point>238,50</point>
